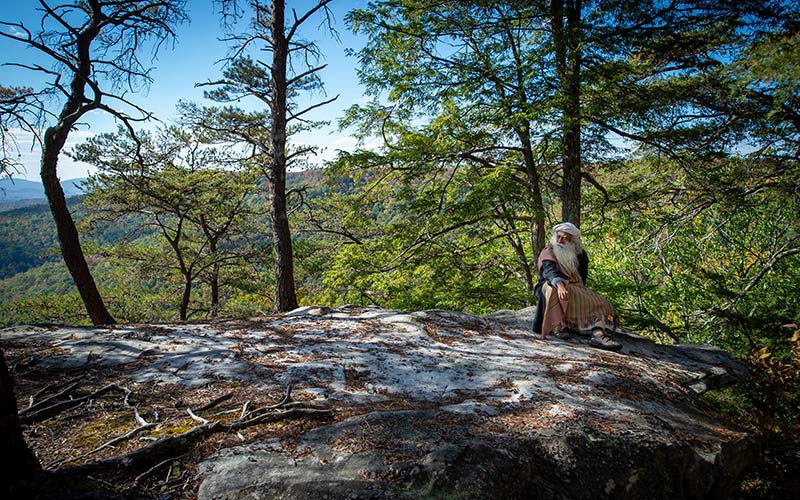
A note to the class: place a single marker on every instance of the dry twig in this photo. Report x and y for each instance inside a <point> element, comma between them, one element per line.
<point>215,402</point>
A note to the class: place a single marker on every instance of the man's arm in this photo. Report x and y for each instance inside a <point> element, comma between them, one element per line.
<point>551,274</point>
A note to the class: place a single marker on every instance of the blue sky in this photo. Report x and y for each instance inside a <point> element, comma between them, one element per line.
<point>194,58</point>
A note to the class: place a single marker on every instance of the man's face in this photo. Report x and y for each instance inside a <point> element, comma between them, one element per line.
<point>563,238</point>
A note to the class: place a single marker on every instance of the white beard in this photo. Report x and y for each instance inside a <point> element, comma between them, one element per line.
<point>566,255</point>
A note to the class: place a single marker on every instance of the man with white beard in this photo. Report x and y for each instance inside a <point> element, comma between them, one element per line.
<point>564,303</point>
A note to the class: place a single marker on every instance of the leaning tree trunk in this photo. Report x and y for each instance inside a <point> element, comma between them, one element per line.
<point>566,32</point>
<point>214,284</point>
<point>213,278</point>
<point>186,297</point>
<point>537,228</point>
<point>71,250</point>
<point>215,293</point>
<point>19,469</point>
<point>285,297</point>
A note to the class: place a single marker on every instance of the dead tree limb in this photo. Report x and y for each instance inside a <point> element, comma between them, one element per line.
<point>36,406</point>
<point>141,477</point>
<point>195,417</point>
<point>287,398</point>
<point>33,414</point>
<point>156,451</point>
<point>103,446</point>
<point>172,446</point>
<point>50,387</point>
<point>275,417</point>
<point>215,402</point>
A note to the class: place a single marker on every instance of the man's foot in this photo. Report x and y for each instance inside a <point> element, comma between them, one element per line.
<point>602,340</point>
<point>561,333</point>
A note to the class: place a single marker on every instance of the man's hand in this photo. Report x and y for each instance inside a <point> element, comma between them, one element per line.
<point>561,288</point>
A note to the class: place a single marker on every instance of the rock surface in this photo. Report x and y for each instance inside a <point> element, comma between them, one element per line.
<point>444,405</point>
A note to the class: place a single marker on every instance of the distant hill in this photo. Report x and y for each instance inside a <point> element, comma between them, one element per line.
<point>28,235</point>
<point>17,193</point>
<point>27,238</point>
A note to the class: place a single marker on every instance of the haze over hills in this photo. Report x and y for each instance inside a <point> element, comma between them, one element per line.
<point>16,193</point>
<point>28,236</point>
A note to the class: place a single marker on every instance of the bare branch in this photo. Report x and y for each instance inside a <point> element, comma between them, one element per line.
<point>323,4</point>
<point>299,77</point>
<point>195,417</point>
<point>767,268</point>
<point>294,116</point>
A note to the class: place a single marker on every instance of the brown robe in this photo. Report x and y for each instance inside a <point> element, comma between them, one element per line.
<point>582,311</point>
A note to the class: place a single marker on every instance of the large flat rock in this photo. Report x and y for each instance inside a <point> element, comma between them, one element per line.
<point>443,405</point>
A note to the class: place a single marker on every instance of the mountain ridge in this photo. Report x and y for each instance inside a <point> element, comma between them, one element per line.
<point>16,193</point>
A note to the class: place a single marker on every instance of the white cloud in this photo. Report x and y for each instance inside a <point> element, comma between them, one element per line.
<point>30,155</point>
<point>17,32</point>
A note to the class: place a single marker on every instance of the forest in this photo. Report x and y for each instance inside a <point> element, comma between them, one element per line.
<point>668,131</point>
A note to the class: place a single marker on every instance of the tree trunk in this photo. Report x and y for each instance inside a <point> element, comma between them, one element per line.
<point>535,189</point>
<point>71,250</point>
<point>213,279</point>
<point>183,310</point>
<point>566,16</point>
<point>524,266</point>
<point>214,283</point>
<point>285,298</point>
<point>19,469</point>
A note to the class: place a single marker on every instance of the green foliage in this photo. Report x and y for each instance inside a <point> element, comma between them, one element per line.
<point>774,388</point>
<point>64,309</point>
<point>427,233</point>
<point>704,259</point>
<point>200,214</point>
<point>49,278</point>
<point>28,236</point>
<point>766,404</point>
<point>135,270</point>
<point>712,254</point>
<point>136,291</point>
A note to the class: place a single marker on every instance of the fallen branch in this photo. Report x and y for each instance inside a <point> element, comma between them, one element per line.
<point>125,437</point>
<point>287,398</point>
<point>154,452</point>
<point>46,389</point>
<point>41,414</point>
<point>108,444</point>
<point>195,417</point>
<point>23,364</point>
<point>215,402</point>
<point>139,417</point>
<point>311,405</point>
<point>128,394</point>
<point>34,407</point>
<point>171,446</point>
<point>274,417</point>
